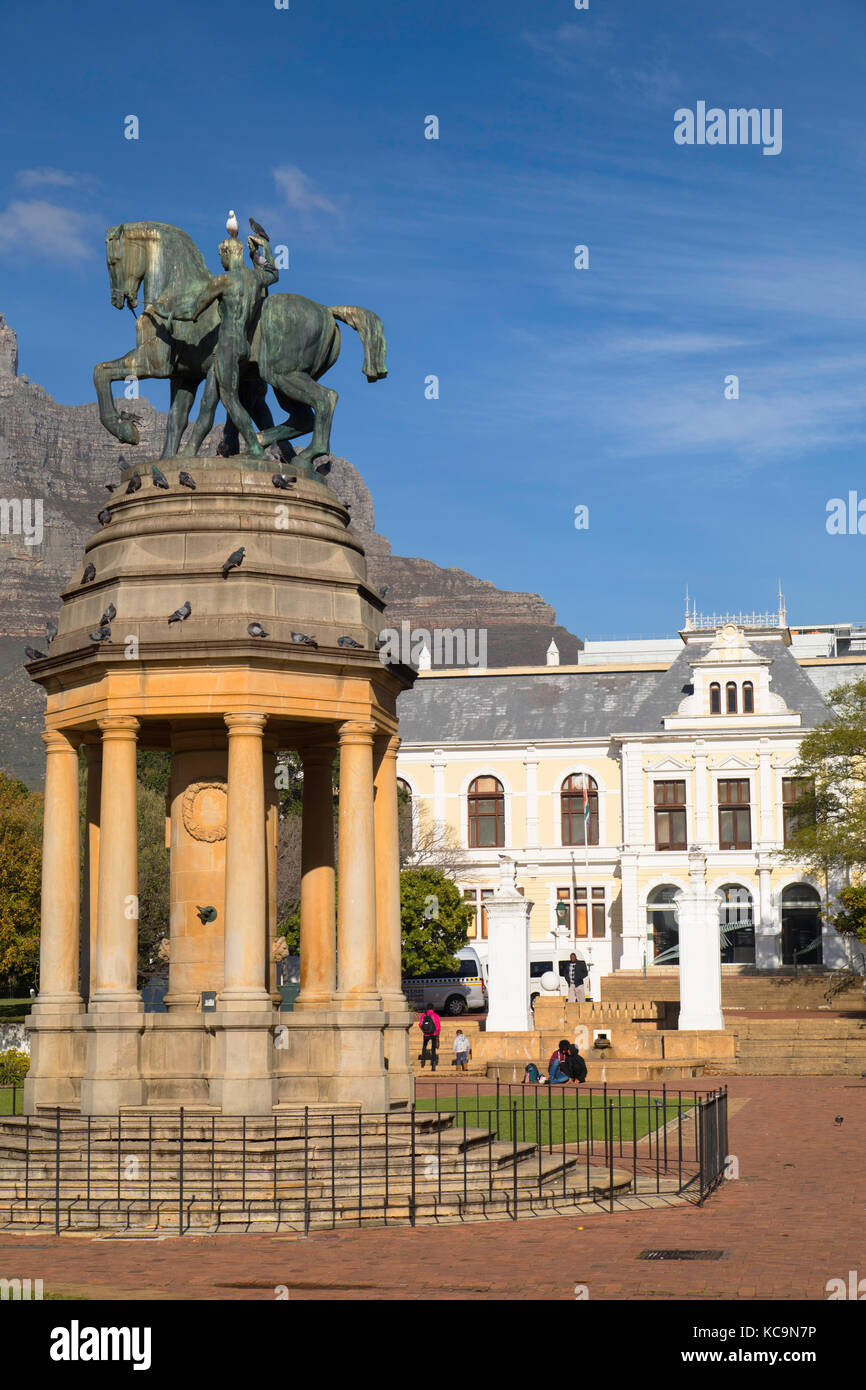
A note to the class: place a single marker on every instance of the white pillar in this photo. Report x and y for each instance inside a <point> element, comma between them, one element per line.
<point>633,921</point>
<point>530,762</point>
<point>765,773</point>
<point>767,934</point>
<point>700,963</point>
<point>439,796</point>
<point>702,818</point>
<point>508,915</point>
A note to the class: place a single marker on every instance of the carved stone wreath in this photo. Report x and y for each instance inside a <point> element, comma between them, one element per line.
<point>204,811</point>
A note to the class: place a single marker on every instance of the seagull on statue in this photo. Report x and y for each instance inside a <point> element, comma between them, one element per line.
<point>232,223</point>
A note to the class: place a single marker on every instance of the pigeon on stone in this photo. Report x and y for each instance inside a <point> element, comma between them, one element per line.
<point>839,1119</point>
<point>181,614</point>
<point>102,634</point>
<point>89,575</point>
<point>206,914</point>
<point>108,616</point>
<point>259,229</point>
<point>111,487</point>
<point>348,642</point>
<point>280,480</point>
<point>384,590</point>
<point>159,478</point>
<point>381,642</point>
<point>50,631</point>
<point>256,630</point>
<point>134,483</point>
<point>324,468</point>
<point>232,223</point>
<point>303,640</point>
<point>131,416</point>
<point>103,517</point>
<point>186,479</point>
<point>33,655</point>
<point>236,558</point>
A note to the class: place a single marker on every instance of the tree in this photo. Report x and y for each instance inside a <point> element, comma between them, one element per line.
<point>435,919</point>
<point>20,878</point>
<point>830,832</point>
<point>153,877</point>
<point>850,920</point>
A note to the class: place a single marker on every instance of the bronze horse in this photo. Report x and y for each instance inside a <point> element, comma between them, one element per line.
<point>295,342</point>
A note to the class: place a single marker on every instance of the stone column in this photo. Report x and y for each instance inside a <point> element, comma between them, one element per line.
<point>530,762</point>
<point>246,868</point>
<point>700,962</point>
<point>93,754</point>
<point>508,914</point>
<point>318,896</point>
<point>58,948</point>
<point>115,1018</point>
<point>356,921</point>
<point>389,974</point>
<point>114,986</point>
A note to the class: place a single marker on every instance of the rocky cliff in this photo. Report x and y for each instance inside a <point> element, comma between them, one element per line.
<point>54,463</point>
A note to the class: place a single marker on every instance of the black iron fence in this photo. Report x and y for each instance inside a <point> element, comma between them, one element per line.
<point>11,1100</point>
<point>461,1151</point>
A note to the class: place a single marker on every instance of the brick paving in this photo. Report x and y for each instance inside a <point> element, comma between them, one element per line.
<point>795,1218</point>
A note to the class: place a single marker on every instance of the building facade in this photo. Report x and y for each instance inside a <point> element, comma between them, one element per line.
<point>629,790</point>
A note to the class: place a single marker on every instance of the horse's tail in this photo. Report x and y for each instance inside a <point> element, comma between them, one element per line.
<point>372,333</point>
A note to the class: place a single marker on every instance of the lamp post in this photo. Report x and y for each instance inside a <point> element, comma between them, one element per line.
<point>561,915</point>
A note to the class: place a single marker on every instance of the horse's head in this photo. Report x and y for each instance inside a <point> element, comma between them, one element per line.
<point>127,263</point>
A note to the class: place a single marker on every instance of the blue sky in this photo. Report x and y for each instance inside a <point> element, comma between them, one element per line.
<point>558,386</point>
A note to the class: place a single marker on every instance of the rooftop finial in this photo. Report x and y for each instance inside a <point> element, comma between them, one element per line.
<point>688,624</point>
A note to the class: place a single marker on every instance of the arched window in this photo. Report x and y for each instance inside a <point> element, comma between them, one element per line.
<point>715,698</point>
<point>663,931</point>
<point>801,925</point>
<point>486,813</point>
<point>748,698</point>
<point>731,697</point>
<point>404,817</point>
<point>736,925</point>
<point>579,803</point>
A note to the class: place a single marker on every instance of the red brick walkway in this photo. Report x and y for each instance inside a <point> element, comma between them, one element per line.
<point>795,1218</point>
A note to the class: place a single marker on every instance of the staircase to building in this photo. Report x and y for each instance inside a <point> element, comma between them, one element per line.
<point>237,1177</point>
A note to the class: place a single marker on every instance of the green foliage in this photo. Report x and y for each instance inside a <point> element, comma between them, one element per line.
<point>20,878</point>
<point>831,830</point>
<point>435,920</point>
<point>290,928</point>
<point>14,1066</point>
<point>153,770</point>
<point>153,877</point>
<point>851,918</point>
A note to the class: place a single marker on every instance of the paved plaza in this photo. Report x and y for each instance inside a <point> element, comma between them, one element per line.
<point>793,1219</point>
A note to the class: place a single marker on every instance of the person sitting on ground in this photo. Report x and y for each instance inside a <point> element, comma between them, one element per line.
<point>575,1066</point>
<point>462,1049</point>
<point>557,1067</point>
<point>532,1075</point>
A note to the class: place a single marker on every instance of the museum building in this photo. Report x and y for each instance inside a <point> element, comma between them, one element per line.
<point>648,776</point>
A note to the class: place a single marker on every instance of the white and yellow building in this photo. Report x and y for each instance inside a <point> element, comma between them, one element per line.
<point>686,748</point>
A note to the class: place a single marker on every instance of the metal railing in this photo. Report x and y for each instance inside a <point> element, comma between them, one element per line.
<point>461,1150</point>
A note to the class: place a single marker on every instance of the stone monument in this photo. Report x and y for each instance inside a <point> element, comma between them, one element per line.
<point>222,613</point>
<point>508,914</point>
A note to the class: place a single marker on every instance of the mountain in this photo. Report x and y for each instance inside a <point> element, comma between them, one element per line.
<point>58,458</point>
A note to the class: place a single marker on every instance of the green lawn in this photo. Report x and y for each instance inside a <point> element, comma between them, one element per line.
<point>14,1010</point>
<point>6,1100</point>
<point>541,1114</point>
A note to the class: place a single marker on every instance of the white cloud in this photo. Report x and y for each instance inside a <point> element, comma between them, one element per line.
<point>37,178</point>
<point>45,227</point>
<point>300,193</point>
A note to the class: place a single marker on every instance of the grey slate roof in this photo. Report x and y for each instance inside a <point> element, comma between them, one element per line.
<point>550,704</point>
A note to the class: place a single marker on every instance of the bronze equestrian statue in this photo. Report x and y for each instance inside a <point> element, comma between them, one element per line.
<point>293,342</point>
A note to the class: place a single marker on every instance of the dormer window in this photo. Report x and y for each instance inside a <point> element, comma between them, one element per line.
<point>715,698</point>
<point>731,697</point>
<point>748,698</point>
